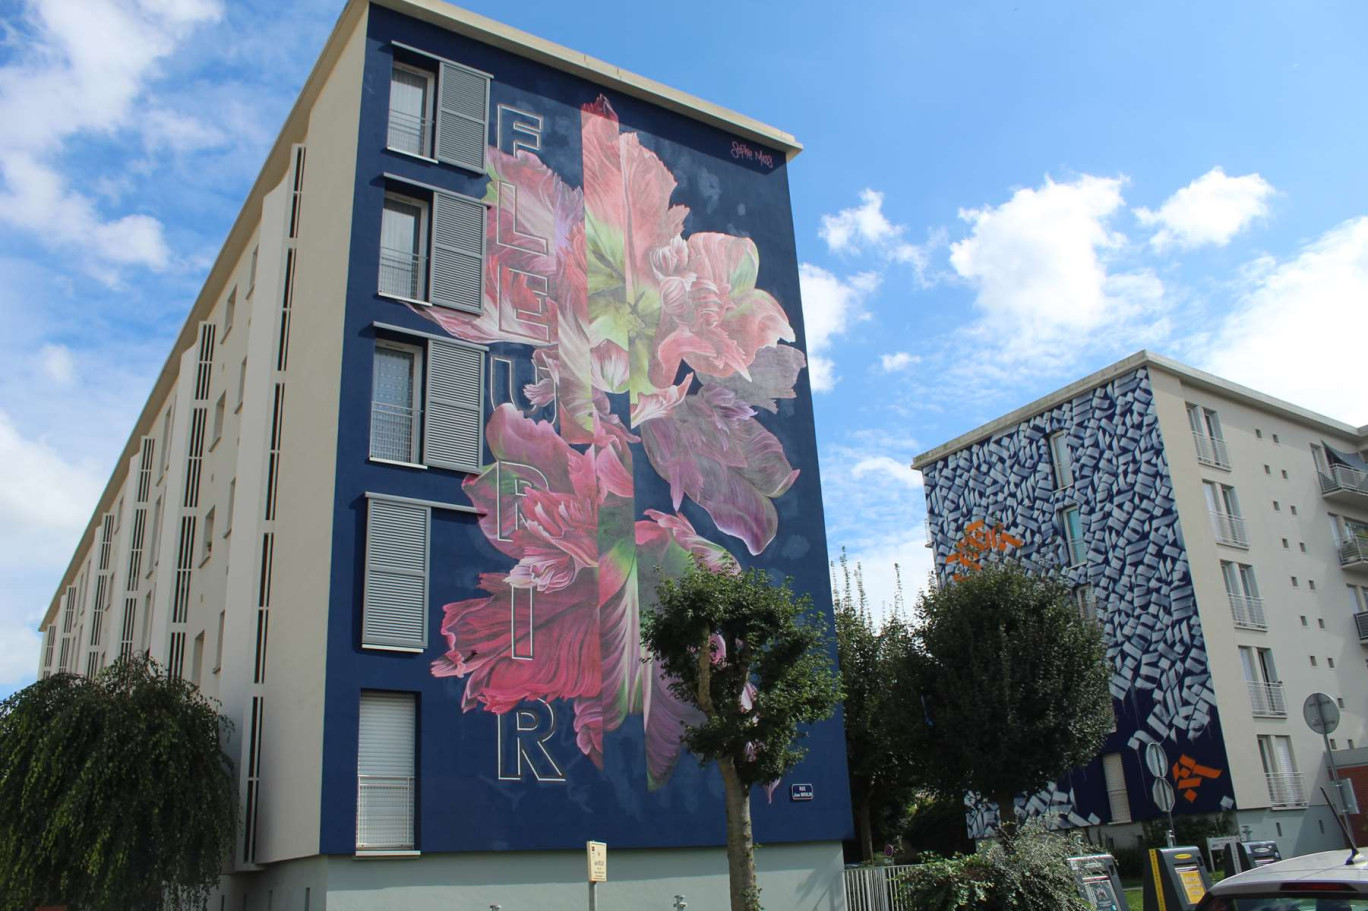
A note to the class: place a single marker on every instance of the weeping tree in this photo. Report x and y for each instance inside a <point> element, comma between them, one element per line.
<point>885,739</point>
<point>754,660</point>
<point>1015,680</point>
<point>114,792</point>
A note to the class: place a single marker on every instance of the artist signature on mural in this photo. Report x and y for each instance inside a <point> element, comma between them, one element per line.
<point>979,539</point>
<point>741,150</point>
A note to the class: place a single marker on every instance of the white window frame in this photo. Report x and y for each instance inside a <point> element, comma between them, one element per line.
<point>242,385</point>
<point>429,111</point>
<point>1076,548</point>
<point>1061,459</point>
<point>220,418</point>
<point>218,646</point>
<point>419,353</point>
<point>229,312</point>
<point>207,537</point>
<point>370,563</point>
<point>423,251</point>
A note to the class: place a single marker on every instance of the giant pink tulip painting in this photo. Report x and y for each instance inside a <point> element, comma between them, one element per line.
<point>617,303</point>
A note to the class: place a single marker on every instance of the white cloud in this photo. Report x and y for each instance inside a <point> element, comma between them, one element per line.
<point>901,472</point>
<point>44,499</point>
<point>1210,210</point>
<point>866,228</point>
<point>84,68</point>
<point>884,562</point>
<point>1298,329</point>
<point>831,305</point>
<point>1041,266</point>
<point>901,360</point>
<point>57,364</point>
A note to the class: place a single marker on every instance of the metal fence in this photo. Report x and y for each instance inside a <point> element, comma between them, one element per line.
<point>875,888</point>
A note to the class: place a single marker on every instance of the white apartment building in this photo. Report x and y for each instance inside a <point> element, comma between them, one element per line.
<point>1221,536</point>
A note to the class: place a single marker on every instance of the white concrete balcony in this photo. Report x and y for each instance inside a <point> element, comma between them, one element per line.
<point>1229,529</point>
<point>1353,554</point>
<point>1212,450</point>
<point>384,813</point>
<point>1286,790</point>
<point>1248,613</point>
<point>1344,485</point>
<point>1266,700</point>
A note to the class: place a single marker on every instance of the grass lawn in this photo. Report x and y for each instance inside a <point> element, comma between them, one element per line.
<point>1135,892</point>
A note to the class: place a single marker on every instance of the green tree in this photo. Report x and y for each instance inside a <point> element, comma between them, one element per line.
<point>883,724</point>
<point>114,792</point>
<point>754,660</point>
<point>1016,682</point>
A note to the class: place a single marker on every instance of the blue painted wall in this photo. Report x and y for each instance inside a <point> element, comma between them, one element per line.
<point>462,805</point>
<point>1137,566</point>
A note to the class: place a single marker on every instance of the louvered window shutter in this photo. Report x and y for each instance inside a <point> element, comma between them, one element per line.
<point>386,740</point>
<point>394,608</point>
<point>453,432</point>
<point>462,117</point>
<point>458,235</point>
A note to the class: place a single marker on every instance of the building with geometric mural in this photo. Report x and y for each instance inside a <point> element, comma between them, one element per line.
<point>1220,538</point>
<point>502,337</point>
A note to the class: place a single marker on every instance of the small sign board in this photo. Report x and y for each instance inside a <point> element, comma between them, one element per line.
<point>597,853</point>
<point>800,792</point>
<point>1162,792</point>
<point>1156,760</point>
<point>1321,713</point>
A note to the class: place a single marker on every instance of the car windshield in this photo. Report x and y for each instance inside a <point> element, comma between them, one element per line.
<point>1284,902</point>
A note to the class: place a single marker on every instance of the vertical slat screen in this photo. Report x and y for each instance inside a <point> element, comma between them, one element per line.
<point>458,234</point>
<point>386,737</point>
<point>462,117</point>
<point>453,429</point>
<point>394,605</point>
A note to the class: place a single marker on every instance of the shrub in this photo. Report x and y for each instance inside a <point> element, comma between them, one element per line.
<point>1029,874</point>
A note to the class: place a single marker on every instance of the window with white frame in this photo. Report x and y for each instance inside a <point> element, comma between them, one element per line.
<point>1285,785</point>
<point>197,659</point>
<point>410,114</point>
<point>395,402</point>
<point>1072,520</point>
<point>403,247</point>
<point>207,547</point>
<point>1206,431</point>
<point>395,591</point>
<point>427,404</point>
<point>220,410</point>
<point>156,536</point>
<point>1242,589</point>
<point>166,439</point>
<point>1118,800</point>
<point>1061,459</point>
<point>386,742</point>
<point>242,383</point>
<point>232,507</point>
<point>1226,521</point>
<point>218,643</point>
<point>1085,599</point>
<point>229,311</point>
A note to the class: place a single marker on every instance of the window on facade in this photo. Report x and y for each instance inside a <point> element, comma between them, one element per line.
<point>1243,591</point>
<point>385,746</point>
<point>156,535</point>
<point>229,312</point>
<point>232,507</point>
<point>410,115</point>
<point>1292,509</point>
<point>242,383</point>
<point>432,248</point>
<point>403,246</point>
<point>251,275</point>
<point>1061,460</point>
<point>1329,662</point>
<point>1285,788</point>
<point>1114,771</point>
<point>218,643</point>
<point>1072,521</point>
<point>1358,599</point>
<point>1313,661</point>
<point>395,403</point>
<point>1085,598</point>
<point>1206,431</point>
<point>166,439</point>
<point>1261,677</point>
<point>220,408</point>
<point>197,659</point>
<point>427,404</point>
<point>394,601</point>
<point>1226,521</point>
<point>207,548</point>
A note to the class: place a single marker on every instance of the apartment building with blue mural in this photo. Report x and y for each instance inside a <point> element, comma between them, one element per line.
<point>1219,536</point>
<point>502,337</point>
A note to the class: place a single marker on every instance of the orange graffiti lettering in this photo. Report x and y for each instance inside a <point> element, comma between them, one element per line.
<point>1189,775</point>
<point>979,539</point>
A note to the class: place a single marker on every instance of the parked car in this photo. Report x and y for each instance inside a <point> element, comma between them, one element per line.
<point>1328,881</point>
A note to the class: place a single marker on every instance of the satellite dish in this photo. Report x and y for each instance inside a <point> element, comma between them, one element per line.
<point>1321,713</point>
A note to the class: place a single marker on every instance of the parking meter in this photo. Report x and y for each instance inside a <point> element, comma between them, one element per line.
<point>1098,882</point>
<point>1175,879</point>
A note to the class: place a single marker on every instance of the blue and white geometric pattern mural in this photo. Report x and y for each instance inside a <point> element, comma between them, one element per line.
<point>1136,565</point>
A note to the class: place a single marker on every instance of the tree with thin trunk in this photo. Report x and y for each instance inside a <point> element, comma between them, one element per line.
<point>114,792</point>
<point>1016,682</point>
<point>755,661</point>
<point>883,725</point>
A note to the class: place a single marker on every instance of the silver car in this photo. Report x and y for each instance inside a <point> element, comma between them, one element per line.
<point>1328,881</point>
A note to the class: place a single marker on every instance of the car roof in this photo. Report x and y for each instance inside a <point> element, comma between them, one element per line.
<point>1327,866</point>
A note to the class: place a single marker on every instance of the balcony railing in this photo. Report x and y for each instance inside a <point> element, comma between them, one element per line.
<point>1211,450</point>
<point>1362,620</point>
<point>384,813</point>
<point>1248,612</point>
<point>391,432</point>
<point>1286,790</point>
<point>1343,479</point>
<point>401,273</point>
<point>409,133</point>
<point>1266,700</point>
<point>1353,553</point>
<point>1229,529</point>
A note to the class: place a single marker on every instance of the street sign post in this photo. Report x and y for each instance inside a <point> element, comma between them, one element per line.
<point>596,854</point>
<point>1156,760</point>
<point>1323,716</point>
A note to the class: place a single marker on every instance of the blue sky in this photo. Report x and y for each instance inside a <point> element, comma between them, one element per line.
<point>995,199</point>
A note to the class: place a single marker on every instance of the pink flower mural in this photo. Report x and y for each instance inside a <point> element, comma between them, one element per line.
<point>617,303</point>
